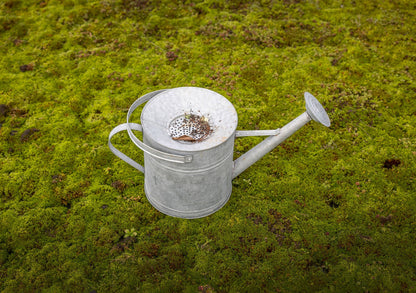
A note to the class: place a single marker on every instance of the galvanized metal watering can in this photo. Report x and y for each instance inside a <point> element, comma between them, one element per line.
<point>188,140</point>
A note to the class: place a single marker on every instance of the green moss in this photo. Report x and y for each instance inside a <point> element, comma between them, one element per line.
<point>328,210</point>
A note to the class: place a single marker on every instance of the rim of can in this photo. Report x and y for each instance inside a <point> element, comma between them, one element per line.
<point>161,110</point>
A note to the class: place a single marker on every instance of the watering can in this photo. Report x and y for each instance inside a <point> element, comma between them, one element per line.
<point>188,141</point>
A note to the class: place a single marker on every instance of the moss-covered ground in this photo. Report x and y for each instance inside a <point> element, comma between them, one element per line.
<point>328,210</point>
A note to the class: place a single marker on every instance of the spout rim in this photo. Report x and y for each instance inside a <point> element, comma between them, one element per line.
<point>316,110</point>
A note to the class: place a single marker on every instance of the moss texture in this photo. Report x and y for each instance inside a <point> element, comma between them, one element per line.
<point>328,210</point>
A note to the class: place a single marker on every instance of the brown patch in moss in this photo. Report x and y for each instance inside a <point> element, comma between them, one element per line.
<point>26,67</point>
<point>255,218</point>
<point>172,56</point>
<point>390,163</point>
<point>175,259</point>
<point>58,178</point>
<point>384,219</point>
<point>149,249</point>
<point>348,243</point>
<point>299,203</point>
<point>4,110</point>
<point>333,201</point>
<point>27,134</point>
<point>123,244</point>
<point>278,225</point>
<point>69,196</point>
<point>119,185</point>
<point>205,289</point>
<point>18,112</point>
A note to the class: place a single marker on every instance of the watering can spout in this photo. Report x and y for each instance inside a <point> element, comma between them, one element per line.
<point>314,111</point>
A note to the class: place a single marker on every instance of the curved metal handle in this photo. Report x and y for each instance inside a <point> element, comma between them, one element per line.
<point>144,147</point>
<point>119,154</point>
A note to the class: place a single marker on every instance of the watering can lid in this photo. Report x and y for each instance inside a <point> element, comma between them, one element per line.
<point>167,106</point>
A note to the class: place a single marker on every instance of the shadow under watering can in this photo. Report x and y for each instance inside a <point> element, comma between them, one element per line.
<point>188,141</point>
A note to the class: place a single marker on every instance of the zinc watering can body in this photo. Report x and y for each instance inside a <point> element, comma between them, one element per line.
<point>188,142</point>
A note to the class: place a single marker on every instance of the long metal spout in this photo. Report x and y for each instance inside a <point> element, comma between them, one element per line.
<point>314,110</point>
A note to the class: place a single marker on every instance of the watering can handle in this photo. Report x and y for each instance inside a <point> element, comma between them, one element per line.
<point>119,154</point>
<point>144,147</point>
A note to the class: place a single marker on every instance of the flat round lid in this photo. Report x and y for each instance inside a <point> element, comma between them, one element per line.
<point>189,119</point>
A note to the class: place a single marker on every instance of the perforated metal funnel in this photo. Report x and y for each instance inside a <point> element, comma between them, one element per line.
<point>189,119</point>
